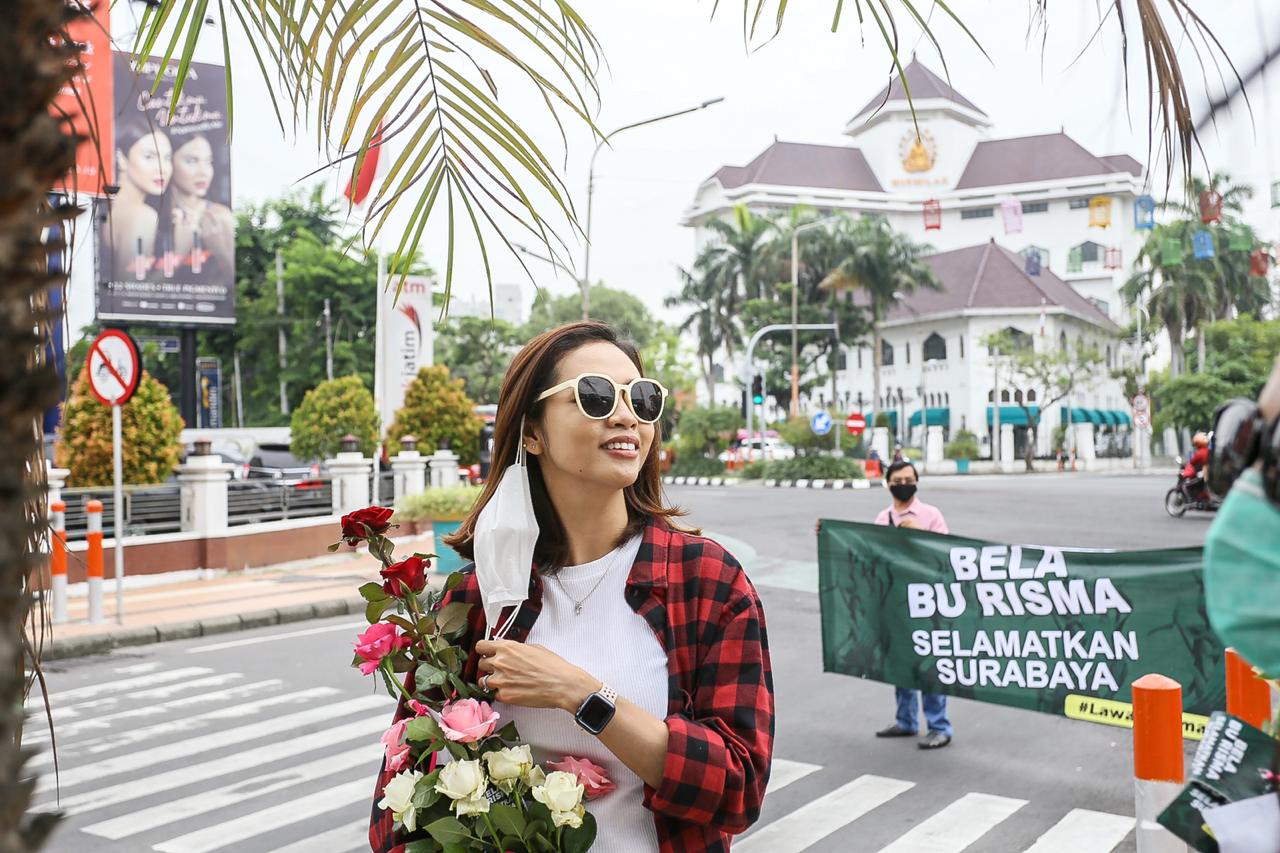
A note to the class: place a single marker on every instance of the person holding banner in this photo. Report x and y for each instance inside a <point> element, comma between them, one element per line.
<point>909,511</point>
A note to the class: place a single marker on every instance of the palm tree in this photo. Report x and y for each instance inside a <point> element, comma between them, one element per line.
<point>1179,295</point>
<point>740,256</point>
<point>705,321</point>
<point>885,265</point>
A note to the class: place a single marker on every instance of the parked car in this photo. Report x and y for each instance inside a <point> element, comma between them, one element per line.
<point>228,454</point>
<point>276,462</point>
<point>750,451</point>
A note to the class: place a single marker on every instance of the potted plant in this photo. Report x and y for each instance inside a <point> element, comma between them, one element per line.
<point>963,448</point>
<point>443,509</point>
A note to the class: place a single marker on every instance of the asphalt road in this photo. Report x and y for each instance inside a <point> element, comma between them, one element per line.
<point>267,740</point>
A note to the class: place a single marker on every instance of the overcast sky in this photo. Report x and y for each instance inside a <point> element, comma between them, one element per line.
<point>664,55</point>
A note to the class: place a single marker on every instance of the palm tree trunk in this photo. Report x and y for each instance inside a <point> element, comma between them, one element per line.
<point>875,362</point>
<point>1176,356</point>
<point>1200,348</point>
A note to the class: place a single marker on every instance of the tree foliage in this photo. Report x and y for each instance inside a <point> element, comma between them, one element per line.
<point>329,411</point>
<point>620,309</point>
<point>150,428</point>
<point>707,430</point>
<point>437,410</point>
<point>477,350</point>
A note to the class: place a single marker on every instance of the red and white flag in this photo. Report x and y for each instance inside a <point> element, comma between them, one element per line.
<point>361,181</point>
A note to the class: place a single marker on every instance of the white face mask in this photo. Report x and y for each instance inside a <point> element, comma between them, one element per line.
<point>505,535</point>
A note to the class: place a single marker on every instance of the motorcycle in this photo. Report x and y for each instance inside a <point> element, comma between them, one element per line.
<point>1189,493</point>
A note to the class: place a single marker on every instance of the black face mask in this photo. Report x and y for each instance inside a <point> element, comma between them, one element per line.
<point>903,492</point>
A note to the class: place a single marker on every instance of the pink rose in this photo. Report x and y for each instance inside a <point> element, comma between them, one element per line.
<point>418,708</point>
<point>397,752</point>
<point>590,776</point>
<point>467,721</point>
<point>375,644</point>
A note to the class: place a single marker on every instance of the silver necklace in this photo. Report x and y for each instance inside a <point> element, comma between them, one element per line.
<point>577,604</point>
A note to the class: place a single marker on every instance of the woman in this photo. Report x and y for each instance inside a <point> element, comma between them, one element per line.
<point>144,164</point>
<point>626,607</point>
<point>203,230</point>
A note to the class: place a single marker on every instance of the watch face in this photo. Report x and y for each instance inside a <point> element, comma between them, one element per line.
<point>595,713</point>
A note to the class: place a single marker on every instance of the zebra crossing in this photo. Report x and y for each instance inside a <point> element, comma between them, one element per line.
<point>187,759</point>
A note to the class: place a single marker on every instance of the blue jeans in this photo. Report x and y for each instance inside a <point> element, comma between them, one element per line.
<point>935,711</point>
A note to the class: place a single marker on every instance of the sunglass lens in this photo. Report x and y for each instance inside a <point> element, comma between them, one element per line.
<point>646,400</point>
<point>1235,444</point>
<point>596,396</point>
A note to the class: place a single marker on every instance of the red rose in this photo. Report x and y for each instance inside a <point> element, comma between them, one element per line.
<point>411,573</point>
<point>375,518</point>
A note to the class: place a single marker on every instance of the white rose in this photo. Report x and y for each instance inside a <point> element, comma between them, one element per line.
<point>398,797</point>
<point>508,765</point>
<point>535,776</point>
<point>462,780</point>
<point>562,792</point>
<point>478,804</point>
<point>571,819</point>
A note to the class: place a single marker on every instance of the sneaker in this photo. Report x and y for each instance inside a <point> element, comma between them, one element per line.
<point>896,731</point>
<point>934,740</point>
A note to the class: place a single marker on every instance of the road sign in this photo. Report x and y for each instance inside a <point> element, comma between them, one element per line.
<point>855,424</point>
<point>1141,403</point>
<point>820,423</point>
<point>114,367</point>
<point>1141,420</point>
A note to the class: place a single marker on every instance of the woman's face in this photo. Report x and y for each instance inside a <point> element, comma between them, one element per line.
<point>193,167</point>
<point>149,163</point>
<point>572,447</point>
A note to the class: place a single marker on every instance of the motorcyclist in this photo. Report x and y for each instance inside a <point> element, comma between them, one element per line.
<point>1194,470</point>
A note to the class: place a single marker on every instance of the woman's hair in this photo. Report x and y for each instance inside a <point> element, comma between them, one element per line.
<point>129,131</point>
<point>532,371</point>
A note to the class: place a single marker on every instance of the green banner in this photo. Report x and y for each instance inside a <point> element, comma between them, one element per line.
<point>1049,629</point>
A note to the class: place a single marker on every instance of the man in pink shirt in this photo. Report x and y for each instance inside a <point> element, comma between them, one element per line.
<point>909,511</point>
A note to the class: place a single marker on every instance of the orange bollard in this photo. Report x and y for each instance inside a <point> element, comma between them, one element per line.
<point>93,558</point>
<point>58,559</point>
<point>1248,696</point>
<point>1157,759</point>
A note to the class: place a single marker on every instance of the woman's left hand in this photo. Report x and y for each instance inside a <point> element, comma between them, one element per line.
<point>532,676</point>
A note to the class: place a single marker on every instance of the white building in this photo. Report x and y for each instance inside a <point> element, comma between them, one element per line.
<point>890,170</point>
<point>508,305</point>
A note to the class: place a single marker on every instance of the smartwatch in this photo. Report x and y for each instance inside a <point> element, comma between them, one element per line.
<point>597,710</point>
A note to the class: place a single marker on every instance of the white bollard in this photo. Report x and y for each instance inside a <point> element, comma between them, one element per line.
<point>1157,759</point>
<point>58,559</point>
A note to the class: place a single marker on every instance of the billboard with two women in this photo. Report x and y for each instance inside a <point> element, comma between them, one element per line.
<point>166,239</point>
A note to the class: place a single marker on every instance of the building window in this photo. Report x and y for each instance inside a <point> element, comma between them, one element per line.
<point>1078,203</point>
<point>1031,396</point>
<point>1044,254</point>
<point>1062,341</point>
<point>946,398</point>
<point>1109,362</point>
<point>1017,397</point>
<point>978,213</point>
<point>906,348</point>
<point>1035,207</point>
<point>991,396</point>
<point>935,348</point>
<point>962,346</point>
<point>859,358</point>
<point>1004,396</point>
<point>886,353</point>
<point>1101,304</point>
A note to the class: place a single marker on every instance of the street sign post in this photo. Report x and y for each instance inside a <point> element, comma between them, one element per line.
<point>820,423</point>
<point>114,367</point>
<point>856,424</point>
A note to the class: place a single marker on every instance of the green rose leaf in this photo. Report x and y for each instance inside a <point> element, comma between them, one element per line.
<point>373,591</point>
<point>452,617</point>
<point>507,819</point>
<point>374,609</point>
<point>422,846</point>
<point>453,580</point>
<point>448,830</point>
<point>460,686</point>
<point>428,675</point>
<point>422,730</point>
<point>580,840</point>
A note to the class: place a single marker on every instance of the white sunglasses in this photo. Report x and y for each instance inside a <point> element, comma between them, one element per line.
<point>597,396</point>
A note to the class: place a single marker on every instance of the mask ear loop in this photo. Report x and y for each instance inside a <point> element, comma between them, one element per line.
<point>505,626</point>
<point>520,451</point>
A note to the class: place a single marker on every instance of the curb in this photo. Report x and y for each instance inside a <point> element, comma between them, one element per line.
<point>94,644</point>
<point>701,481</point>
<point>820,484</point>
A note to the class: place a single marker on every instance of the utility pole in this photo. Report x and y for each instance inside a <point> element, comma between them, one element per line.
<point>328,341</point>
<point>235,362</point>
<point>795,292</point>
<point>284,347</point>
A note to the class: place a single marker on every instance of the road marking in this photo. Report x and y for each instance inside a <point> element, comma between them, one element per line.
<point>785,772</point>
<point>957,826</point>
<point>307,632</point>
<point>187,724</point>
<point>128,684</point>
<point>107,703</point>
<point>345,839</point>
<point>267,820</point>
<point>1084,831</point>
<point>136,669</point>
<point>275,727</point>
<point>280,750</point>
<point>203,802</point>
<point>813,822</point>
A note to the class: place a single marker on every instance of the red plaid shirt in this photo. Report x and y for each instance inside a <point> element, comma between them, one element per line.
<point>707,616</point>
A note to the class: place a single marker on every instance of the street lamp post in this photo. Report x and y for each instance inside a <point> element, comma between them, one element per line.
<point>585,283</point>
<point>795,289</point>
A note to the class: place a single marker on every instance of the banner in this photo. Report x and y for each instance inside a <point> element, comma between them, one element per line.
<point>209,371</point>
<point>166,246</point>
<point>1049,629</point>
<point>408,342</point>
<point>87,101</point>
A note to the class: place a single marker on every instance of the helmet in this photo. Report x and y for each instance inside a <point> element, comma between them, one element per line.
<point>1200,439</point>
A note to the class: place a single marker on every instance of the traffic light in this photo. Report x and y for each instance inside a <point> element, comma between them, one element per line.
<point>757,389</point>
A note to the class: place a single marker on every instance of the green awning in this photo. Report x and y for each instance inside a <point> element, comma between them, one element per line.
<point>1082,416</point>
<point>1014,415</point>
<point>1122,417</point>
<point>937,417</point>
<point>893,420</point>
<point>1108,417</point>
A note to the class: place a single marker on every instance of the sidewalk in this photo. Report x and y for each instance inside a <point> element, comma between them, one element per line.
<point>293,592</point>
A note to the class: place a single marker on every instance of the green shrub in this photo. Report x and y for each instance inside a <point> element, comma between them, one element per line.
<point>752,471</point>
<point>329,411</point>
<point>799,434</point>
<point>150,427</point>
<point>436,409</point>
<point>706,430</point>
<point>964,446</point>
<point>451,503</point>
<point>807,468</point>
<point>882,420</point>
<point>697,466</point>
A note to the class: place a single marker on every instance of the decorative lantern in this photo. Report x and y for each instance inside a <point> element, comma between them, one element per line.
<point>1011,211</point>
<point>1033,262</point>
<point>1240,240</point>
<point>1100,211</point>
<point>1075,259</point>
<point>1144,213</point>
<point>1170,252</point>
<point>932,215</point>
<point>1210,206</point>
<point>1114,258</point>
<point>1259,262</point>
<point>1202,245</point>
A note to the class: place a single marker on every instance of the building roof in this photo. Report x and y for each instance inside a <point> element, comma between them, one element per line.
<point>1044,157</point>
<point>923,84</point>
<point>989,276</point>
<point>799,164</point>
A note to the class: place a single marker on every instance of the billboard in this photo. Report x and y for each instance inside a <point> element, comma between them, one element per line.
<point>87,101</point>
<point>407,342</point>
<point>166,246</point>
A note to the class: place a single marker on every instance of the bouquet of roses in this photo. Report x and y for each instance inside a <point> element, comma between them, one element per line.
<point>490,795</point>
